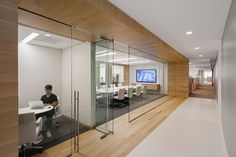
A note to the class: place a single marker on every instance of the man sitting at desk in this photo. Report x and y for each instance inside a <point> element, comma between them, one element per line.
<point>49,97</point>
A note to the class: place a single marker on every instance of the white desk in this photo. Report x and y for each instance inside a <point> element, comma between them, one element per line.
<point>36,111</point>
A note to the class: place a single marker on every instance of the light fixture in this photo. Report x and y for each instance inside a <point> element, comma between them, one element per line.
<point>99,52</point>
<point>47,35</point>
<point>122,59</point>
<point>30,37</point>
<point>196,48</point>
<point>105,54</point>
<point>139,62</point>
<point>190,63</point>
<point>189,33</point>
<point>200,55</point>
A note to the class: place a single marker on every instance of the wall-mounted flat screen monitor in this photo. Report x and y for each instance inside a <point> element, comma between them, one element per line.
<point>146,75</point>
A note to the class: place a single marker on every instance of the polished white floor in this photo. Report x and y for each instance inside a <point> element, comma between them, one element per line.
<point>193,130</point>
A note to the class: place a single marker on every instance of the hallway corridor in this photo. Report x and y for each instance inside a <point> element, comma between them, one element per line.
<point>193,130</point>
<point>204,91</point>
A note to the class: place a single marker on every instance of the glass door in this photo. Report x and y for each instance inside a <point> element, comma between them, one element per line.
<point>104,90</point>
<point>45,84</point>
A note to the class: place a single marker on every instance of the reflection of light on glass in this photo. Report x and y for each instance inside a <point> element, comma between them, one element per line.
<point>100,52</point>
<point>106,54</point>
<point>139,62</point>
<point>122,59</point>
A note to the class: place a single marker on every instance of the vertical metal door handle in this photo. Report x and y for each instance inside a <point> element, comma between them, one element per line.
<point>77,121</point>
<point>74,121</point>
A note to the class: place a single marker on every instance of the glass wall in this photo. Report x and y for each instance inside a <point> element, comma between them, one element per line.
<point>128,81</point>
<point>45,102</point>
<point>148,82</point>
<point>104,91</point>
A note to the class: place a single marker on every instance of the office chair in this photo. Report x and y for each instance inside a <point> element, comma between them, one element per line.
<point>29,133</point>
<point>57,114</point>
<point>112,86</point>
<point>144,91</point>
<point>138,91</point>
<point>103,86</point>
<point>129,94</point>
<point>120,97</point>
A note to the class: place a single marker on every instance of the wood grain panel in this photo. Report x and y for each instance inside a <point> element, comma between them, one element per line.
<point>171,79</point>
<point>41,23</point>
<point>126,75</point>
<point>8,79</point>
<point>182,79</point>
<point>101,18</point>
<point>154,87</point>
<point>178,79</point>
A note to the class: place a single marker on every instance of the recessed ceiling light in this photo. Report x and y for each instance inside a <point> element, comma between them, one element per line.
<point>30,37</point>
<point>196,48</point>
<point>189,33</point>
<point>47,35</point>
<point>190,63</point>
<point>200,55</point>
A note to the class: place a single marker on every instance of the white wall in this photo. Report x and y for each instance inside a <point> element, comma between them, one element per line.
<point>38,66</point>
<point>217,80</point>
<point>81,80</point>
<point>158,66</point>
<point>117,69</point>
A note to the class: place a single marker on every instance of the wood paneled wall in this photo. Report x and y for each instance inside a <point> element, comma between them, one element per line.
<point>178,79</point>
<point>8,79</point>
<point>171,79</point>
<point>126,75</point>
<point>95,18</point>
<point>182,79</point>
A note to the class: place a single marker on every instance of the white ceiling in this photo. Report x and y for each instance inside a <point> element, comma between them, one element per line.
<point>203,64</point>
<point>171,19</point>
<point>52,41</point>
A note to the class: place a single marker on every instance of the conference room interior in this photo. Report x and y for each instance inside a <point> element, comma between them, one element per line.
<point>120,86</point>
<point>94,83</point>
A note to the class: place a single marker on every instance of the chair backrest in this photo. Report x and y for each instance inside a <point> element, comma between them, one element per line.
<point>112,85</point>
<point>36,104</point>
<point>57,108</point>
<point>27,128</point>
<point>103,86</point>
<point>144,90</point>
<point>139,85</point>
<point>121,94</point>
<point>130,92</point>
<point>138,91</point>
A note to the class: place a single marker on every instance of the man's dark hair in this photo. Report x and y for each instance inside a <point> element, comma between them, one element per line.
<point>48,86</point>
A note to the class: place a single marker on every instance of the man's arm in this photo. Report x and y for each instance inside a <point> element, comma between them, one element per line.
<point>54,104</point>
<point>55,101</point>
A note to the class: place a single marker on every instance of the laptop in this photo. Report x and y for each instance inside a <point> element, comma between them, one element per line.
<point>36,104</point>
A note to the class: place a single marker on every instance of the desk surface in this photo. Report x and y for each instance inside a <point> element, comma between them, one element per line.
<point>36,111</point>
